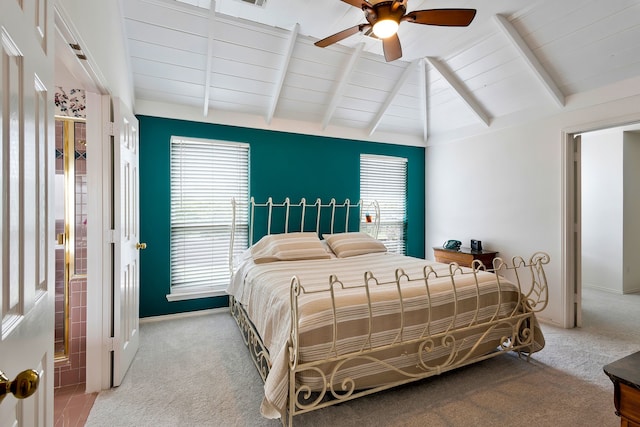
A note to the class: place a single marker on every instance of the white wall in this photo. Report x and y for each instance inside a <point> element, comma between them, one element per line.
<point>631,260</point>
<point>505,184</point>
<point>503,189</point>
<point>610,208</point>
<point>98,26</point>
<point>602,210</point>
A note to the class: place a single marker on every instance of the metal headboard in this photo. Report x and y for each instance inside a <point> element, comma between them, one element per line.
<point>333,209</point>
<point>281,213</point>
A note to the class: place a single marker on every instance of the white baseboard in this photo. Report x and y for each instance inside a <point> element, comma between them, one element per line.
<point>601,289</point>
<point>183,315</point>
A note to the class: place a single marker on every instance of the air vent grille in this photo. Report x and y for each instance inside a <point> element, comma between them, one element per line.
<point>260,3</point>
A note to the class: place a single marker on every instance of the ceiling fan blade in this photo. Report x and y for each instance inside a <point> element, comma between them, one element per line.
<point>358,3</point>
<point>443,17</point>
<point>391,47</point>
<point>341,35</point>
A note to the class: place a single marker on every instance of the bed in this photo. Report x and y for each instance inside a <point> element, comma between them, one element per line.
<point>332,316</point>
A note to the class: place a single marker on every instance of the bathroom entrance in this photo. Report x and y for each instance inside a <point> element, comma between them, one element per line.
<point>70,251</point>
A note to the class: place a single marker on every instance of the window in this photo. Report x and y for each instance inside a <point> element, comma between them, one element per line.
<point>384,179</point>
<point>205,176</point>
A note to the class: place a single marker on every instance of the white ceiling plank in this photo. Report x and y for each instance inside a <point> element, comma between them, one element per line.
<point>169,98</point>
<point>460,90</point>
<point>392,95</point>
<point>169,15</point>
<point>533,62</point>
<point>424,99</point>
<point>243,70</point>
<point>290,93</point>
<point>342,84</point>
<point>283,72</point>
<point>143,67</point>
<point>232,97</point>
<point>240,85</point>
<point>312,82</point>
<point>168,86</point>
<point>160,54</point>
<point>207,76</point>
<point>247,55</point>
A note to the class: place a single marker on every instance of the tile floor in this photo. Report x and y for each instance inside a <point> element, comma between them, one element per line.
<point>72,406</point>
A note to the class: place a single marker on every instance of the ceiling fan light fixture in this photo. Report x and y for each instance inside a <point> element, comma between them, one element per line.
<point>384,17</point>
<point>385,28</point>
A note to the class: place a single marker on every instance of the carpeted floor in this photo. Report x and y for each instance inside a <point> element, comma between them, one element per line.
<point>195,371</point>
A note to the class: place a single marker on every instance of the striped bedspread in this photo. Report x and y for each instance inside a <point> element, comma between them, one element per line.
<point>264,291</point>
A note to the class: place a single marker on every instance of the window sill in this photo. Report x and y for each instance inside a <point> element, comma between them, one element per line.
<point>182,296</point>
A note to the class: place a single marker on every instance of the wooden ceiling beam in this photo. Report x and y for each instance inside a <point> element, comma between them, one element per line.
<point>530,58</point>
<point>461,90</point>
<point>209,67</point>
<point>283,72</point>
<point>387,103</point>
<point>342,84</point>
<point>424,99</point>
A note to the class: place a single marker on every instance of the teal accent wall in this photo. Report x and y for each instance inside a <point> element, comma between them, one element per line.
<point>281,165</point>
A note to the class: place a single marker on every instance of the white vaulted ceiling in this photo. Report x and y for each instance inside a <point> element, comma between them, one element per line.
<point>258,66</point>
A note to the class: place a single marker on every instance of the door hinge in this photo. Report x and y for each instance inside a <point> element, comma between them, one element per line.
<point>110,344</point>
<point>110,236</point>
<point>110,128</point>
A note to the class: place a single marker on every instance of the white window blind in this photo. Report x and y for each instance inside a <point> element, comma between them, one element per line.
<point>384,179</point>
<point>205,176</point>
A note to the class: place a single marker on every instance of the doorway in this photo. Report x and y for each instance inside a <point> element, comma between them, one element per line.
<point>579,264</point>
<point>70,250</point>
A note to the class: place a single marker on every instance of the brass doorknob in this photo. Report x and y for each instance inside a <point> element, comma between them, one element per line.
<point>141,246</point>
<point>25,384</point>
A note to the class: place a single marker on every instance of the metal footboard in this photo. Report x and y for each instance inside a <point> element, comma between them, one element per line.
<point>466,338</point>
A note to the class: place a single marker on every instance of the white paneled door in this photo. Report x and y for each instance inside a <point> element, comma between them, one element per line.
<point>26,252</point>
<point>127,246</point>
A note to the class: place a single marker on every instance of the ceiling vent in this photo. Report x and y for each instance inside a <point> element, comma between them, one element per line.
<point>260,3</point>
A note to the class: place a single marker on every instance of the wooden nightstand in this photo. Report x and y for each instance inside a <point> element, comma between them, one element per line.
<point>464,257</point>
<point>625,375</point>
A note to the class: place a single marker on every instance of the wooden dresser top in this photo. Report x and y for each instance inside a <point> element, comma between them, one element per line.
<point>625,370</point>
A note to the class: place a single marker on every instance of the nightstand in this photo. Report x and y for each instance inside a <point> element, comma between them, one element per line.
<point>625,375</point>
<point>464,257</point>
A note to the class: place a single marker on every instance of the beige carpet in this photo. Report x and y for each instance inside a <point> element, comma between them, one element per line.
<point>196,372</point>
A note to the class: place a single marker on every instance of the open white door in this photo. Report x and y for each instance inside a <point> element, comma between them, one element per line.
<point>26,252</point>
<point>126,290</point>
<point>577,232</point>
<point>572,231</point>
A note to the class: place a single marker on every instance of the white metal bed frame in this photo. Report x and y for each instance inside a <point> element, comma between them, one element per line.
<point>332,208</point>
<point>520,322</point>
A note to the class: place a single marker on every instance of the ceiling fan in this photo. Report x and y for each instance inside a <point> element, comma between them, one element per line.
<point>384,17</point>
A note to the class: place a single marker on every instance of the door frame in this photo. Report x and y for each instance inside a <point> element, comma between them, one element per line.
<point>571,274</point>
<point>99,207</point>
<point>99,245</point>
<point>571,230</point>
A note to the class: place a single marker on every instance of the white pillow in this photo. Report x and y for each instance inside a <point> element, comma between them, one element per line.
<point>288,247</point>
<point>354,243</point>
